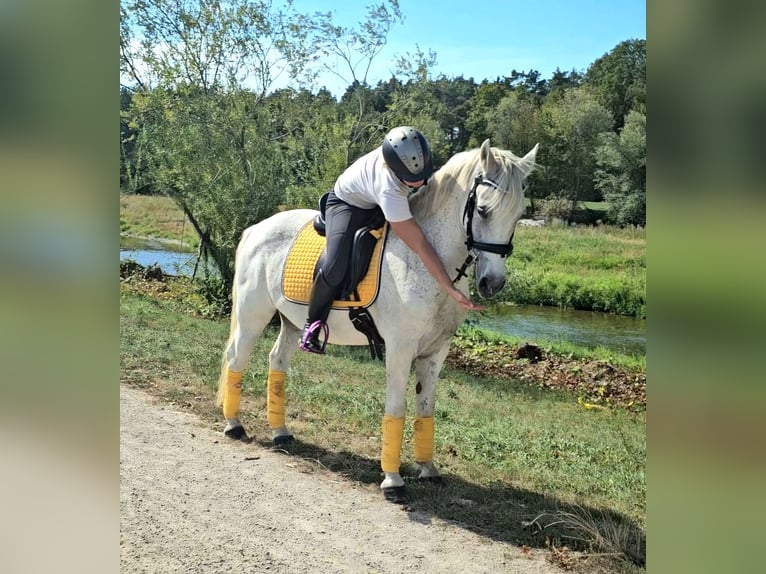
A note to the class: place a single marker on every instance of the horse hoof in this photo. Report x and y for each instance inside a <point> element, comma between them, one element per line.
<point>394,494</point>
<point>237,433</point>
<point>283,440</point>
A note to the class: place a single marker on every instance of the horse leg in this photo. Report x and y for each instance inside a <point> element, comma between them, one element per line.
<point>279,359</point>
<point>398,361</point>
<point>246,327</point>
<point>427,369</point>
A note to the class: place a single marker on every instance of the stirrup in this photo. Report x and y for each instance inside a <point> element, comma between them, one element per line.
<point>310,339</point>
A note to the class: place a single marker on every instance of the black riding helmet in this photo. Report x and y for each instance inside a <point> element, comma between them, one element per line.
<point>407,153</point>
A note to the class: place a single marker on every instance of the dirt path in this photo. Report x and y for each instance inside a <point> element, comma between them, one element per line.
<point>192,501</point>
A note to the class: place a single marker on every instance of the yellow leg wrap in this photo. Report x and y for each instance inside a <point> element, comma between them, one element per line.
<point>424,439</point>
<point>231,393</point>
<point>275,401</point>
<point>393,433</point>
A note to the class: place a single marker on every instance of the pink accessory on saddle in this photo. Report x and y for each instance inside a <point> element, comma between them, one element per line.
<point>314,328</point>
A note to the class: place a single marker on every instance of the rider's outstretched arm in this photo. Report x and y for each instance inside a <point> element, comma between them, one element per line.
<point>413,237</point>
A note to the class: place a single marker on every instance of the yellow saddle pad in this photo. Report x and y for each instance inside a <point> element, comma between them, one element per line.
<point>298,276</point>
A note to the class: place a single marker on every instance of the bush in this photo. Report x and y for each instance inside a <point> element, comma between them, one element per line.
<point>556,207</point>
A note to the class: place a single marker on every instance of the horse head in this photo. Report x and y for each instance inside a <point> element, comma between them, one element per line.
<point>495,204</point>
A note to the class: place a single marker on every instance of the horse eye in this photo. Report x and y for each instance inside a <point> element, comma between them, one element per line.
<point>482,211</point>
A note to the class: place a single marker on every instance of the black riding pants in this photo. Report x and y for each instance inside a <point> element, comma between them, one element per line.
<point>341,223</point>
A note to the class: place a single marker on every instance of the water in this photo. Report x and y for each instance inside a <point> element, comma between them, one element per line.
<point>173,260</point>
<point>583,328</point>
<point>171,263</point>
<point>529,322</point>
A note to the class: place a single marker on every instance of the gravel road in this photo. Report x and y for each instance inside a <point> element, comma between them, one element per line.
<point>193,501</point>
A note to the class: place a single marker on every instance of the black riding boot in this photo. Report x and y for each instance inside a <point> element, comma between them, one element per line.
<point>322,296</point>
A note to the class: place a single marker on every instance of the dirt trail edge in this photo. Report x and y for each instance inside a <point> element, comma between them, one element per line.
<point>193,501</point>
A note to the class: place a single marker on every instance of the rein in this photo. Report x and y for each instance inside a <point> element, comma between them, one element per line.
<point>503,249</point>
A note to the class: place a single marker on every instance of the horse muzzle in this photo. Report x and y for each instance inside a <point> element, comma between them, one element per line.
<point>489,274</point>
<point>489,285</point>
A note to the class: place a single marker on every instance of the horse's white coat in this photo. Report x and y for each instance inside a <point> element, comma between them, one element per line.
<point>413,314</point>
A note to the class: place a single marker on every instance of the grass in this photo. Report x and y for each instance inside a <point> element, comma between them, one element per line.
<point>156,217</point>
<point>597,208</point>
<point>599,268</point>
<point>492,340</point>
<point>521,463</point>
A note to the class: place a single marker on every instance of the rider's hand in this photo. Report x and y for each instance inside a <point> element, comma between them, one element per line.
<point>464,301</point>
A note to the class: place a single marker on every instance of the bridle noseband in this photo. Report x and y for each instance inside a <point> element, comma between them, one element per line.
<point>502,249</point>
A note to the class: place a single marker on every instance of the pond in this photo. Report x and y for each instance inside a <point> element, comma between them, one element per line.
<point>529,322</point>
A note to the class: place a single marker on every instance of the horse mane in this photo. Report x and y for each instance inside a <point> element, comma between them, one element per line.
<point>459,173</point>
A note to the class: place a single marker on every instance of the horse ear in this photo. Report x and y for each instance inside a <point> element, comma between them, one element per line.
<point>488,161</point>
<point>528,161</point>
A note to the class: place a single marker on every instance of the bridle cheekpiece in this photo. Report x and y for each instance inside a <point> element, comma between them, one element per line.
<point>502,249</point>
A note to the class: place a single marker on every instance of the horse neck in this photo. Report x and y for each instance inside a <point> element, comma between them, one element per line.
<point>439,212</point>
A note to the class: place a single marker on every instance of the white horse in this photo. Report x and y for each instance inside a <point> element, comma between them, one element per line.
<point>468,211</point>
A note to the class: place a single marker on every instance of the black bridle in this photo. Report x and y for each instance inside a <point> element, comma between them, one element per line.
<point>502,249</point>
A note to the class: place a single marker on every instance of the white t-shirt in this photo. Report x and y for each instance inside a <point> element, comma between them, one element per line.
<point>369,182</point>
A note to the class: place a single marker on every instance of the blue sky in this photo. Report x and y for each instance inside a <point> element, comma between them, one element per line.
<point>485,39</point>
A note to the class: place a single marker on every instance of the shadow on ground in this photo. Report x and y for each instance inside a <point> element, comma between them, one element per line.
<point>499,511</point>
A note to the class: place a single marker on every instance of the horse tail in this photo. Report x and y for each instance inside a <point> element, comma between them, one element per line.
<point>225,356</point>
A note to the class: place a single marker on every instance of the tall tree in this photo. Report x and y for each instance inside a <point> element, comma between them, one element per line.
<point>486,98</point>
<point>131,169</point>
<point>354,49</point>
<point>213,44</point>
<point>200,70</point>
<point>455,94</point>
<point>514,124</point>
<point>621,171</point>
<point>618,79</point>
<point>417,104</point>
<point>311,142</point>
<point>529,83</point>
<point>560,82</point>
<point>571,128</point>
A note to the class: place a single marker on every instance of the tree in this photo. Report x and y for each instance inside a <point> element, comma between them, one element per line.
<point>621,171</point>
<point>514,124</point>
<point>311,142</point>
<point>530,84</point>
<point>455,94</point>
<point>131,164</point>
<point>355,48</point>
<point>207,138</point>
<point>486,98</point>
<point>560,82</point>
<point>570,129</point>
<point>416,103</point>
<point>212,44</point>
<point>618,79</point>
<point>200,73</point>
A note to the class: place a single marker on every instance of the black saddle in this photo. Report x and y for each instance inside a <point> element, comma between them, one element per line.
<point>361,254</point>
<point>361,251</point>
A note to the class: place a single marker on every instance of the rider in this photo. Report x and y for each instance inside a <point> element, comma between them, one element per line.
<point>378,181</point>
